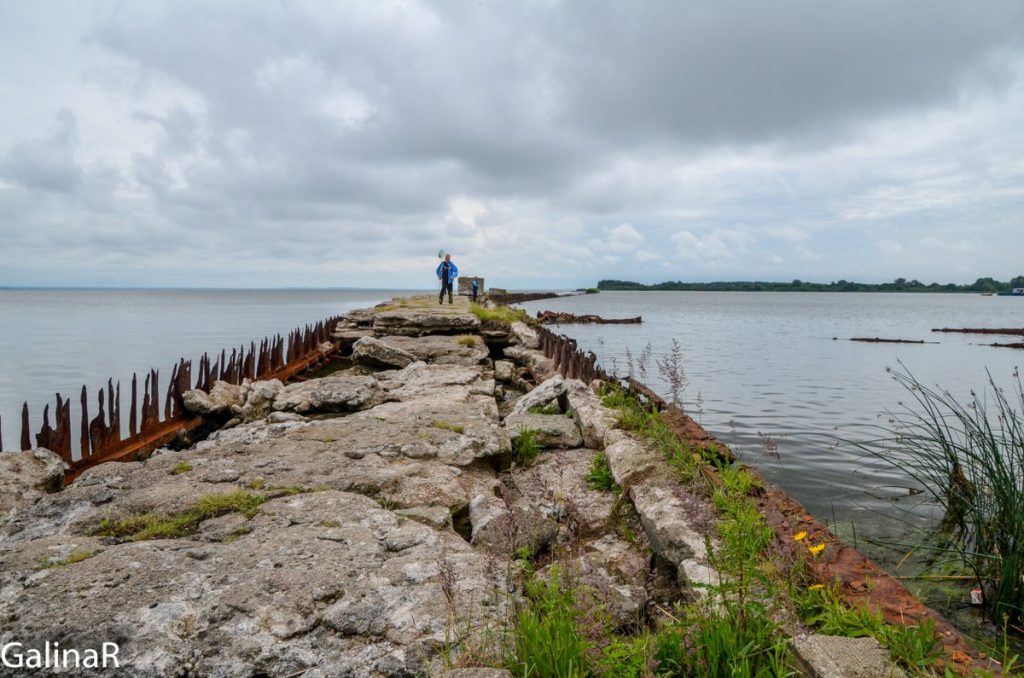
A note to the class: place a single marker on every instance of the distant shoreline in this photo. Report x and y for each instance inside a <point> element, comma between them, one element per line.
<point>980,286</point>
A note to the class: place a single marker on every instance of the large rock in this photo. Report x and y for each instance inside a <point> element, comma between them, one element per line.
<point>593,418</point>
<point>503,370</point>
<point>259,398</point>
<point>505,529</point>
<point>327,581</point>
<point>820,656</point>
<point>25,477</point>
<point>525,335</point>
<point>347,337</point>
<point>336,393</point>
<point>414,323</point>
<point>443,383</point>
<point>557,484</point>
<point>539,365</point>
<point>371,351</point>
<point>630,458</point>
<point>442,349</point>
<point>543,395</point>
<point>553,430</point>
<point>221,398</point>
<point>678,525</point>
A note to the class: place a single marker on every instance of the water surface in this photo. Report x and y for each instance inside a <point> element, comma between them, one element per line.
<point>54,341</point>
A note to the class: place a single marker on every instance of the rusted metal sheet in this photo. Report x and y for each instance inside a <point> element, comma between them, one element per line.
<point>100,438</point>
<point>569,360</point>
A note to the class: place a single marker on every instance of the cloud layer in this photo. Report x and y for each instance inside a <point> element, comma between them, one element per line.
<point>544,143</point>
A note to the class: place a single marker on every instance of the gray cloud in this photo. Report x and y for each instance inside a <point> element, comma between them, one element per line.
<point>547,142</point>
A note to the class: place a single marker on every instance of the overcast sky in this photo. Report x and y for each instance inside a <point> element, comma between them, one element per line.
<point>543,143</point>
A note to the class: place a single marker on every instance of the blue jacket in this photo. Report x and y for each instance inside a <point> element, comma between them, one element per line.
<point>453,271</point>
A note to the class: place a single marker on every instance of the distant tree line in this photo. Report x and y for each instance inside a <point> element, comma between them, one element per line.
<point>897,285</point>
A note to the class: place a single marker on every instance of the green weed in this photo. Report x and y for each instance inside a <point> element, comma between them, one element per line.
<point>551,408</point>
<point>75,557</point>
<point>445,426</point>
<point>160,526</point>
<point>600,477</point>
<point>181,467</point>
<point>500,314</point>
<point>526,447</point>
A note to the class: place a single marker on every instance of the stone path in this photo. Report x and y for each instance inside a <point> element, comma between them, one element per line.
<point>366,523</point>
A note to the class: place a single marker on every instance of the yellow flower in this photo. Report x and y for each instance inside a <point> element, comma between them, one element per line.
<point>799,535</point>
<point>816,549</point>
<point>815,587</point>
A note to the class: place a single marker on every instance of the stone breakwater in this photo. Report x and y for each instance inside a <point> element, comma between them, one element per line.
<point>369,522</point>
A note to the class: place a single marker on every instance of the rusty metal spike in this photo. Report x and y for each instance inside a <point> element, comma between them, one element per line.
<point>26,442</point>
<point>98,429</point>
<point>84,440</point>
<point>115,411</point>
<point>110,401</point>
<point>154,401</point>
<point>65,426</point>
<point>45,435</point>
<point>133,421</point>
<point>147,410</point>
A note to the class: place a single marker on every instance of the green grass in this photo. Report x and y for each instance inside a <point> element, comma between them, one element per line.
<point>181,467</point>
<point>914,647</point>
<point>546,637</point>
<point>445,426</point>
<point>171,526</point>
<point>600,477</point>
<point>550,408</point>
<point>467,341</point>
<point>526,447</point>
<point>75,557</point>
<point>499,314</point>
<point>737,634</point>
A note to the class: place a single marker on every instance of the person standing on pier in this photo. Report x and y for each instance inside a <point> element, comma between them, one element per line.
<point>447,272</point>
<point>476,288</point>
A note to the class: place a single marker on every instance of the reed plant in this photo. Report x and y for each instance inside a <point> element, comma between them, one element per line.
<point>969,459</point>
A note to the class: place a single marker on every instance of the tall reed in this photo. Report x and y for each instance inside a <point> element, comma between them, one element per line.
<point>969,458</point>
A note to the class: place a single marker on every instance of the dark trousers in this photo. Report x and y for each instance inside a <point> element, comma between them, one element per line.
<point>445,285</point>
<point>474,294</point>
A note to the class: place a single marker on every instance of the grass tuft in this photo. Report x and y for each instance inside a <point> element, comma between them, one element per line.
<point>468,341</point>
<point>526,446</point>
<point>75,557</point>
<point>181,467</point>
<point>499,314</point>
<point>160,526</point>
<point>446,426</point>
<point>600,477</point>
<point>550,408</point>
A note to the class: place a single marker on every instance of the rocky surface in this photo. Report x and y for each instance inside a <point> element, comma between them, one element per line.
<point>221,398</point>
<point>552,430</point>
<point>467,349</point>
<point>359,524</point>
<point>25,477</point>
<point>338,393</point>
<point>837,657</point>
<point>371,351</point>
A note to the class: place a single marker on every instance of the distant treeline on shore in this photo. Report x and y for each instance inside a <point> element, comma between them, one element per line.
<point>981,285</point>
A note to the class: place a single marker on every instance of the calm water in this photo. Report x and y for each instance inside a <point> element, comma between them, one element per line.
<point>56,340</point>
<point>767,362</point>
